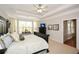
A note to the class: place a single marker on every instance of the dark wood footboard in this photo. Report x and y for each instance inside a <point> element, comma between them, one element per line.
<point>41,51</point>
<point>44,36</point>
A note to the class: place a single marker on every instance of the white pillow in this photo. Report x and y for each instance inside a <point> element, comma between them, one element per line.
<point>1,47</point>
<point>15,36</point>
<point>7,39</point>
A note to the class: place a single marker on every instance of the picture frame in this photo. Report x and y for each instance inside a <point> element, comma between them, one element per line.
<point>56,27</point>
<point>50,27</point>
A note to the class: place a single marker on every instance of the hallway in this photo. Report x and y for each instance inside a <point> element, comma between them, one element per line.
<point>71,42</point>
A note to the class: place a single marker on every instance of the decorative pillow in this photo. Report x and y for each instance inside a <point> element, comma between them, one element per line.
<point>2,45</point>
<point>7,39</point>
<point>21,37</point>
<point>15,36</point>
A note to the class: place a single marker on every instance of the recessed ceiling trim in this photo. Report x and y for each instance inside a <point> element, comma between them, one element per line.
<point>57,10</point>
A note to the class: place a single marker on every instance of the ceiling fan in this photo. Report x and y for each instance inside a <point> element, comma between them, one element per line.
<point>40,7</point>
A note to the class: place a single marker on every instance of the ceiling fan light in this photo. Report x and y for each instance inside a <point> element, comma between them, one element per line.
<point>39,10</point>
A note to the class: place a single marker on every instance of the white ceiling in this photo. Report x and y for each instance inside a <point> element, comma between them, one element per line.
<point>26,10</point>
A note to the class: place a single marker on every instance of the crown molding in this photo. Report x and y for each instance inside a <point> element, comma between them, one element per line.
<point>73,11</point>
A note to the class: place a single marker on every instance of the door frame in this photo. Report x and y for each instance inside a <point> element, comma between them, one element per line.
<point>75,31</point>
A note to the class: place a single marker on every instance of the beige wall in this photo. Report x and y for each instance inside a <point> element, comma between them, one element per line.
<point>3,14</point>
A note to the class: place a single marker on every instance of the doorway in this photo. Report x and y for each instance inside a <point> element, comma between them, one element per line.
<point>70,32</point>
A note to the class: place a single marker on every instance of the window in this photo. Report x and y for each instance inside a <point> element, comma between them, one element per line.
<point>27,26</point>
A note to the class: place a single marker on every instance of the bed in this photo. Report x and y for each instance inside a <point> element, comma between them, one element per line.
<point>31,45</point>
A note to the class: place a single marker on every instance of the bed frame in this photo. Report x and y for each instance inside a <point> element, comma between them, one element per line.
<point>44,36</point>
<point>2,51</point>
<point>44,51</point>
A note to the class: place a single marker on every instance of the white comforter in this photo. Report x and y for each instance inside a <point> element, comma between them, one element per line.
<point>30,45</point>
